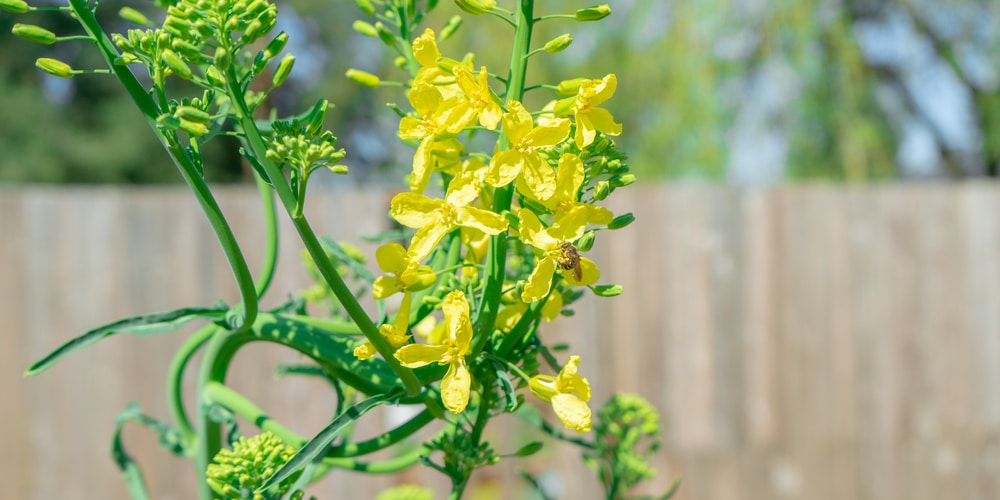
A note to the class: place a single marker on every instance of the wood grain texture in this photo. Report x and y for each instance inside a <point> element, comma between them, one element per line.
<point>806,342</point>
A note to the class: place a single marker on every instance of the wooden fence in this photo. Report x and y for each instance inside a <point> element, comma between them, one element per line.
<point>807,342</point>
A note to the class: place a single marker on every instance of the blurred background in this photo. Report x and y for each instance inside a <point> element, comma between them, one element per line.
<point>810,323</point>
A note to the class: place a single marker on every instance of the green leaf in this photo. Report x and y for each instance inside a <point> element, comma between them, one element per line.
<point>147,324</point>
<point>133,475</point>
<point>530,449</point>
<point>317,446</point>
<point>508,389</point>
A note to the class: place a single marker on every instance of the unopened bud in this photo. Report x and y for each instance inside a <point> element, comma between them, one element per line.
<point>174,62</point>
<point>364,28</point>
<point>192,114</point>
<point>448,64</point>
<point>54,67</point>
<point>338,169</point>
<point>476,7</point>
<point>399,62</point>
<point>275,45</point>
<point>363,78</point>
<point>215,77</point>
<point>366,6</point>
<point>593,13</point>
<point>570,87</point>
<point>621,221</point>
<point>192,128</point>
<point>385,34</point>
<point>222,58</point>
<point>449,29</point>
<point>133,16</point>
<point>622,180</point>
<point>34,33</point>
<point>586,242</point>
<point>558,44</point>
<point>186,48</point>
<point>601,190</point>
<point>284,69</point>
<point>15,6</point>
<point>607,290</point>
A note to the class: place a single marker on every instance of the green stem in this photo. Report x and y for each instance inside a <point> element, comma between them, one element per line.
<point>496,256</point>
<point>175,381</point>
<point>271,237</point>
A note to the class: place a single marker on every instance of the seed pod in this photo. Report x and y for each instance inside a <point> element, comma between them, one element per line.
<point>284,69</point>
<point>365,29</point>
<point>174,62</point>
<point>593,13</point>
<point>15,6</point>
<point>363,78</point>
<point>54,67</point>
<point>33,33</point>
<point>558,44</point>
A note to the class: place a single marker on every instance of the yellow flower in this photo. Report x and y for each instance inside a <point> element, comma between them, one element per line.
<point>590,118</point>
<point>425,51</point>
<point>434,117</point>
<point>396,333</point>
<point>434,218</point>
<point>511,313</point>
<point>407,274</point>
<point>523,161</point>
<point>568,393</point>
<point>566,198</point>
<point>479,98</point>
<point>556,246</point>
<point>456,384</point>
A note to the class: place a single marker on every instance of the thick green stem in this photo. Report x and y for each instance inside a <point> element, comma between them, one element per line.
<point>496,256</point>
<point>271,237</point>
<point>175,381</point>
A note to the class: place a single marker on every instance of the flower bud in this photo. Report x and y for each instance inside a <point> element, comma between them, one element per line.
<point>125,59</point>
<point>338,169</point>
<point>133,16</point>
<point>558,44</point>
<point>476,7</point>
<point>15,6</point>
<point>399,62</point>
<point>186,48</point>
<point>275,45</point>
<point>174,62</point>
<point>449,29</point>
<point>622,180</point>
<point>33,33</point>
<point>284,69</point>
<point>364,28</point>
<point>607,290</point>
<point>384,34</point>
<point>363,78</point>
<point>215,77</point>
<point>586,242</point>
<point>192,114</point>
<point>54,67</point>
<point>593,13</point>
<point>621,221</point>
<point>601,190</point>
<point>570,88</point>
<point>448,64</point>
<point>564,106</point>
<point>366,6</point>
<point>222,58</point>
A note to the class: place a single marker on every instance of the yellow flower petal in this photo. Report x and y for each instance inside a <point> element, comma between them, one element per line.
<point>533,233</point>
<point>456,314</point>
<point>590,273</point>
<point>552,307</point>
<point>455,386</point>
<point>572,412</point>
<point>569,177</point>
<point>426,238</point>
<point>569,381</point>
<point>417,355</point>
<point>538,177</point>
<point>548,135</point>
<point>385,286</point>
<point>517,122</point>
<point>570,226</point>
<point>425,49</point>
<point>600,90</point>
<point>504,167</point>
<point>540,280</point>
<point>463,189</point>
<point>365,351</point>
<point>603,121</point>
<point>483,220</point>
<point>425,99</point>
<point>422,159</point>
<point>391,258</point>
<point>414,210</point>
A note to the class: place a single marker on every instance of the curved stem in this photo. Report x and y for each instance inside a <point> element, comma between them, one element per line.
<point>175,381</point>
<point>271,237</point>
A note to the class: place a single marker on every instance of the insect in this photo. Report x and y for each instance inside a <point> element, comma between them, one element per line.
<point>569,258</point>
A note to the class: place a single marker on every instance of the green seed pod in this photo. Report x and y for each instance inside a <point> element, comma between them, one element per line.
<point>601,190</point>
<point>133,16</point>
<point>366,6</point>
<point>363,78</point>
<point>622,180</point>
<point>558,44</point>
<point>451,27</point>
<point>593,13</point>
<point>192,114</point>
<point>174,62</point>
<point>15,6</point>
<point>284,69</point>
<point>586,242</point>
<point>54,67</point>
<point>33,33</point>
<point>476,7</point>
<point>621,221</point>
<point>384,34</point>
<point>364,28</point>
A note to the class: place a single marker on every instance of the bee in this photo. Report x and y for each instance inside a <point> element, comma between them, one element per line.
<point>569,258</point>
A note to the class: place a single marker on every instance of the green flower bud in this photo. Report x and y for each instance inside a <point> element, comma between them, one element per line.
<point>338,169</point>
<point>384,34</point>
<point>586,242</point>
<point>601,190</point>
<point>451,27</point>
<point>222,58</point>
<point>33,33</point>
<point>175,63</point>
<point>597,168</point>
<point>284,68</point>
<point>133,16</point>
<point>215,77</point>
<point>622,180</point>
<point>15,6</point>
<point>54,67</point>
<point>125,59</point>
<point>570,87</point>
<point>366,6</point>
<point>364,28</point>
<point>193,129</point>
<point>399,62</point>
<point>476,7</point>
<point>564,106</point>
<point>253,31</point>
<point>363,78</point>
<point>275,45</point>
<point>558,44</point>
<point>192,114</point>
<point>593,13</point>
<point>448,64</point>
<point>607,290</point>
<point>186,48</point>
<point>621,221</point>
